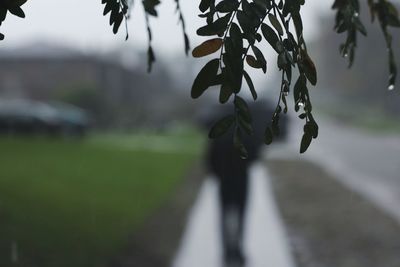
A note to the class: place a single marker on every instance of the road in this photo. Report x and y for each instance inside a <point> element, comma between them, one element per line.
<point>368,163</point>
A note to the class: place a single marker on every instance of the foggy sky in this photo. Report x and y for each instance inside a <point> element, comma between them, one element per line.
<point>80,24</point>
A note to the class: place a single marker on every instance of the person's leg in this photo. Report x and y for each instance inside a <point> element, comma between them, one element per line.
<point>233,197</point>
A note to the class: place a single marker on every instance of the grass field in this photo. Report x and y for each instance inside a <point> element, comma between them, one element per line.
<point>74,203</point>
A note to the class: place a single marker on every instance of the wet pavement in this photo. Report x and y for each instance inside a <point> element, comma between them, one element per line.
<point>364,162</point>
<point>265,239</point>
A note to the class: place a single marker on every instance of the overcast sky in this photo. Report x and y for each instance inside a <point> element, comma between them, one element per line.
<point>80,23</point>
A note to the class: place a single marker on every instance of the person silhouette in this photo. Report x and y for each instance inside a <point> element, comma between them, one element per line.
<point>231,171</point>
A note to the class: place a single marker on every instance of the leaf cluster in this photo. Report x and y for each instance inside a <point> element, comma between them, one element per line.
<point>348,21</point>
<point>118,10</point>
<point>237,29</point>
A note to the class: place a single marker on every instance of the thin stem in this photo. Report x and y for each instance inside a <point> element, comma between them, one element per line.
<point>226,33</point>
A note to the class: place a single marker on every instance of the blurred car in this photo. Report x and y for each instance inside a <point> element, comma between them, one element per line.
<point>28,117</point>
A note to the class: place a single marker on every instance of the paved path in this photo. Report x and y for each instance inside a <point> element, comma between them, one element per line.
<point>265,241</point>
<point>367,163</point>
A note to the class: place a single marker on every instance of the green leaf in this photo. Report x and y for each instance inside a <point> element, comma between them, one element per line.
<point>250,13</point>
<point>298,24</point>
<point>245,22</point>
<point>299,88</point>
<point>243,108</point>
<point>275,22</point>
<point>268,136</point>
<point>225,93</point>
<point>236,35</point>
<point>203,80</point>
<point>227,6</point>
<point>305,142</point>
<point>221,126</point>
<point>246,126</point>
<point>264,4</point>
<point>282,61</point>
<point>260,58</point>
<point>309,68</point>
<point>311,128</point>
<point>270,35</point>
<point>237,142</point>
<point>250,84</point>
<point>215,28</point>
<point>232,59</point>
<point>360,27</point>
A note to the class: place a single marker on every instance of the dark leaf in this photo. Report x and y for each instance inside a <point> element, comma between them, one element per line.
<point>3,14</point>
<point>236,36</point>
<point>150,59</point>
<point>237,142</point>
<point>298,24</point>
<point>203,80</point>
<point>264,4</point>
<point>221,126</point>
<point>309,68</point>
<point>250,84</point>
<point>245,22</point>
<point>117,22</point>
<point>305,142</point>
<point>215,28</point>
<point>243,108</point>
<point>268,136</point>
<point>246,126</point>
<point>260,58</point>
<point>275,22</point>
<point>17,11</point>
<point>270,35</point>
<point>226,6</point>
<point>204,5</point>
<point>225,93</point>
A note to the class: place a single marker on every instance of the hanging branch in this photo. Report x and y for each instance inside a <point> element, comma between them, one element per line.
<point>182,21</point>
<point>228,70</point>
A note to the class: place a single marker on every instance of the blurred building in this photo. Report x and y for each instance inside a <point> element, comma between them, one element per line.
<point>113,94</point>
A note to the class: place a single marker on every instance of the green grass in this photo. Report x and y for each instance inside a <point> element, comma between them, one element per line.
<point>74,203</point>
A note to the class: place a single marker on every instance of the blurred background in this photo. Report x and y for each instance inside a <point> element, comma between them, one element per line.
<point>101,163</point>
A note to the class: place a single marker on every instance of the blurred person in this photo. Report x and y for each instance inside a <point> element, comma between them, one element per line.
<point>232,174</point>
